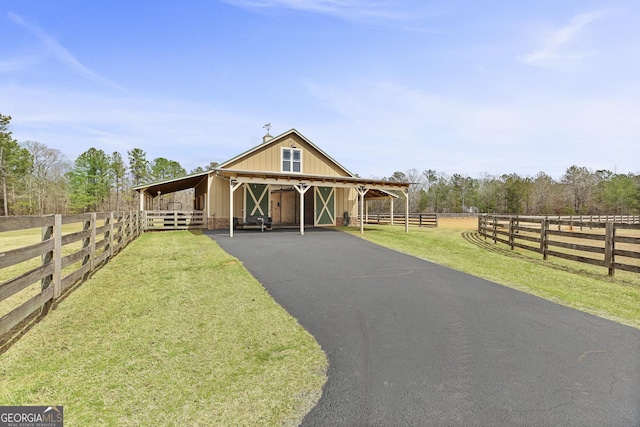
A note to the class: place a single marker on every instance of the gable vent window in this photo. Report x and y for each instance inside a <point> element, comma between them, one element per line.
<point>291,160</point>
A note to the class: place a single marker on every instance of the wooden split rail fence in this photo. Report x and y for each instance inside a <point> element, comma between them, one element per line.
<point>174,220</point>
<point>607,241</point>
<point>415,219</point>
<point>69,249</point>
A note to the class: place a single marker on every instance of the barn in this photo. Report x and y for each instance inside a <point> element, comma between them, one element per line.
<point>286,181</point>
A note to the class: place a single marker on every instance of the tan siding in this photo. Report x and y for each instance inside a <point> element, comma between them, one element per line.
<point>346,201</point>
<point>219,198</point>
<point>268,159</point>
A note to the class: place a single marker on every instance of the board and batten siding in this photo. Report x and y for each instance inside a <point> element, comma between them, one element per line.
<point>269,159</point>
<point>219,199</point>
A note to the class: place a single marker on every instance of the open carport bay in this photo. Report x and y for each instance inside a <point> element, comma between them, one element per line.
<point>413,343</point>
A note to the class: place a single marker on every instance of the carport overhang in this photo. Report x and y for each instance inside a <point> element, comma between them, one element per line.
<point>172,185</point>
<point>366,188</point>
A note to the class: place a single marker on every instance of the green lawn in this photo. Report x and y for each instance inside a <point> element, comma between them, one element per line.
<point>173,331</point>
<point>581,286</point>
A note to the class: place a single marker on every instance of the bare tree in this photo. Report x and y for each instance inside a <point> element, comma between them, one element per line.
<point>47,181</point>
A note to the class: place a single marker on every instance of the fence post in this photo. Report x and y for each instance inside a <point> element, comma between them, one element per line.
<point>511,223</point>
<point>609,246</point>
<point>110,240</point>
<point>47,233</point>
<point>54,256</point>
<point>86,243</point>
<point>128,228</point>
<point>93,240</point>
<point>544,228</point>
<point>484,226</point>
<point>89,242</point>
<point>420,220</point>
<point>57,253</point>
<point>495,229</point>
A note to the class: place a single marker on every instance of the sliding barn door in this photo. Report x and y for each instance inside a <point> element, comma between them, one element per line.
<point>257,199</point>
<point>325,212</point>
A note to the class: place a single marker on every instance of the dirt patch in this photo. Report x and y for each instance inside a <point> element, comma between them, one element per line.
<point>458,223</point>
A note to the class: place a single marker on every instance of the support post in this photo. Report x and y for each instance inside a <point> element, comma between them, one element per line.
<point>406,210</point>
<point>361,192</point>
<point>233,186</point>
<point>391,223</point>
<point>366,211</point>
<point>302,188</point>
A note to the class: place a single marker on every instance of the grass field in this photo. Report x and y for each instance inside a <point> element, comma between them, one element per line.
<point>456,244</point>
<point>173,331</point>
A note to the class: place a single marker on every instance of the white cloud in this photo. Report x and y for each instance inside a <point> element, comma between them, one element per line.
<point>384,12</point>
<point>561,46</point>
<point>62,54</point>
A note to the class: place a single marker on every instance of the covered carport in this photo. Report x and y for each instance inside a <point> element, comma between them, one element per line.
<point>184,218</point>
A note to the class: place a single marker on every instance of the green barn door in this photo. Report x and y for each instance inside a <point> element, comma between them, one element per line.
<point>257,199</point>
<point>325,206</point>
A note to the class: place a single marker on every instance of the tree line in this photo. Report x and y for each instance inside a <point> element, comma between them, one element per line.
<point>37,180</point>
<point>580,191</point>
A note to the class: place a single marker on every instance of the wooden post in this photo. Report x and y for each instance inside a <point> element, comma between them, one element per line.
<point>511,231</point>
<point>366,211</point>
<point>233,186</point>
<point>110,239</point>
<point>47,233</point>
<point>54,256</point>
<point>495,229</point>
<point>609,246</point>
<point>391,222</point>
<point>86,242</point>
<point>361,192</point>
<point>544,235</point>
<point>406,210</point>
<point>57,254</point>
<point>420,220</point>
<point>93,241</point>
<point>302,188</point>
<point>129,227</point>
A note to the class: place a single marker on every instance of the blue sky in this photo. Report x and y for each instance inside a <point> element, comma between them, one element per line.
<point>460,86</point>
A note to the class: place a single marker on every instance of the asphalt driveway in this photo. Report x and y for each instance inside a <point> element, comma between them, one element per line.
<point>411,343</point>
